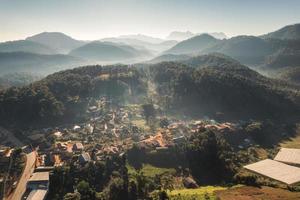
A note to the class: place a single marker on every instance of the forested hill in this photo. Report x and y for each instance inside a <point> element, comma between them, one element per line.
<point>207,87</point>
<point>234,91</point>
<point>64,96</point>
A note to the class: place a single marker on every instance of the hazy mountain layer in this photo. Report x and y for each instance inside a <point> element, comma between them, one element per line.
<point>36,63</point>
<point>25,46</point>
<point>193,45</point>
<point>58,41</point>
<point>108,51</point>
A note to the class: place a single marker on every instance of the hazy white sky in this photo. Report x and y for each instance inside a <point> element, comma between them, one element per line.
<point>95,19</point>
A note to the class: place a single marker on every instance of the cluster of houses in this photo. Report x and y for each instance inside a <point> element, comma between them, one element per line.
<point>109,131</point>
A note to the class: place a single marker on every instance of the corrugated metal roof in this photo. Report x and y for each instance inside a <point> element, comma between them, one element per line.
<point>287,155</point>
<point>276,170</point>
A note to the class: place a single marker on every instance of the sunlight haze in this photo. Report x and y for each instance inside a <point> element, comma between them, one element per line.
<point>91,20</point>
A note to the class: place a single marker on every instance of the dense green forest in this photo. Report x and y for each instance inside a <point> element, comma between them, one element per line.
<point>231,89</point>
<point>203,86</point>
<point>65,94</point>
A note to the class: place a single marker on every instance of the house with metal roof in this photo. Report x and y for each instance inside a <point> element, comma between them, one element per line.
<point>38,180</point>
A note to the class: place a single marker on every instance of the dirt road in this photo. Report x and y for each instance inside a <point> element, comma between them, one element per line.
<point>28,170</point>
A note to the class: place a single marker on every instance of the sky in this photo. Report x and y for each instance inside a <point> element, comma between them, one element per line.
<point>96,19</point>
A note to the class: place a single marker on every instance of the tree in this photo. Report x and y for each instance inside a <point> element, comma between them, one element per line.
<point>132,191</point>
<point>148,111</point>
<point>72,196</point>
<point>85,191</point>
<point>136,156</point>
<point>117,191</point>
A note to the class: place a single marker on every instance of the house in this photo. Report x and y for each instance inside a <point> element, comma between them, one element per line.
<point>84,158</point>
<point>57,134</point>
<point>76,128</point>
<point>44,169</point>
<point>78,147</point>
<point>38,180</point>
<point>179,140</point>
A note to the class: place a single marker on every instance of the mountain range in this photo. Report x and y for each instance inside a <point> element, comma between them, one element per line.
<point>271,51</point>
<point>274,50</point>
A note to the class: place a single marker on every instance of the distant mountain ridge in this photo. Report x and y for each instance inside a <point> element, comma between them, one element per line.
<point>61,42</point>
<point>266,51</point>
<point>108,51</point>
<point>193,45</point>
<point>179,36</point>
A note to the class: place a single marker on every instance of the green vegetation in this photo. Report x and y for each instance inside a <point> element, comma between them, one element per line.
<point>61,96</point>
<point>202,193</point>
<point>150,170</point>
<point>232,89</point>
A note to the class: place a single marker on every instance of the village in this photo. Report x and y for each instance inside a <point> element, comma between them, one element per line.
<point>111,130</point>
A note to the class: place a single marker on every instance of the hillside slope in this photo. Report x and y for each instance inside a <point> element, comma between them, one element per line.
<point>25,46</point>
<point>36,63</point>
<point>290,32</point>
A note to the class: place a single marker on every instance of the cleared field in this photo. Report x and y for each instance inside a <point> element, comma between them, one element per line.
<point>255,193</point>
<point>202,193</point>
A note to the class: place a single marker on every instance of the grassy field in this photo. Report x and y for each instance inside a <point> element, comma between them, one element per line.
<point>202,193</point>
<point>150,171</point>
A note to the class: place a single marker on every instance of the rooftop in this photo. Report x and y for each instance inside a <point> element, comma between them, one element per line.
<point>39,176</point>
<point>78,145</point>
<point>276,170</point>
<point>37,195</point>
<point>289,156</point>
